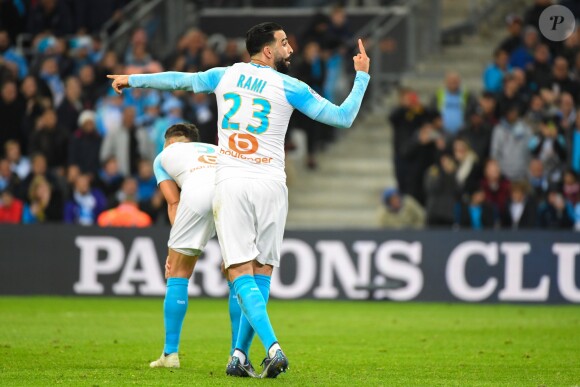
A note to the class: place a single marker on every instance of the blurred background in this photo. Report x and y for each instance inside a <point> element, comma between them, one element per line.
<point>470,120</point>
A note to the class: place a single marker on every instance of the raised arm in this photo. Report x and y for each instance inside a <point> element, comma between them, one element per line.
<point>303,98</point>
<point>202,82</point>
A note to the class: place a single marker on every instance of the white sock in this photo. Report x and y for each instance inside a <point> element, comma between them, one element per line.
<point>273,349</point>
<point>240,355</point>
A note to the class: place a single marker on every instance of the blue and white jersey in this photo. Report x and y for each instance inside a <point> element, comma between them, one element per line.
<point>254,107</point>
<point>184,161</point>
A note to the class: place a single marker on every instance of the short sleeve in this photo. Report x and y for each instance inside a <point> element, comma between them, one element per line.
<point>160,172</point>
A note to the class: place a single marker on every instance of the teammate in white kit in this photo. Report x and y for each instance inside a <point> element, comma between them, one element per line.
<point>189,166</point>
<point>255,102</point>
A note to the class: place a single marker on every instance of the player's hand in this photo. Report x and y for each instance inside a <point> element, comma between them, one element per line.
<point>361,61</point>
<point>120,82</point>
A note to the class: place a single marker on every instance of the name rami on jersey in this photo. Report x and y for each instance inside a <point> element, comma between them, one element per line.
<point>253,84</point>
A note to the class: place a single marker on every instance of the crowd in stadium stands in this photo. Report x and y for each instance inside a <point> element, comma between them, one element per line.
<point>71,150</point>
<point>507,158</point>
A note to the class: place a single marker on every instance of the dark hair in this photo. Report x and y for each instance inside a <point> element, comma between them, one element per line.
<point>186,130</point>
<point>260,35</point>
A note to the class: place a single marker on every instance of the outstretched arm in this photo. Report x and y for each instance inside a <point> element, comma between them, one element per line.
<point>202,82</point>
<point>303,98</point>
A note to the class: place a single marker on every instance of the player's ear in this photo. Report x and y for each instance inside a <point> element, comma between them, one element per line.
<point>267,50</point>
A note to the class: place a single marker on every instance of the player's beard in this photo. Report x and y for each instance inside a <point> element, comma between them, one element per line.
<point>282,66</point>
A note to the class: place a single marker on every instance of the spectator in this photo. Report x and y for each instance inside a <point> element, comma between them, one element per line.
<point>109,64</point>
<point>50,139</point>
<point>509,144</point>
<point>494,72</point>
<point>514,40</point>
<point>573,143</point>
<point>86,203</point>
<point>127,144</point>
<point>561,81</point>
<point>89,88</point>
<point>71,106</point>
<point>339,28</point>
<point>575,63</point>
<point>400,211</point>
<point>209,59</point>
<point>137,57</point>
<point>36,98</point>
<point>312,71</point>
<point>421,152</point>
<point>440,190</point>
<point>406,119</point>
<point>19,164</point>
<point>549,146</point>
<point>537,179</point>
<point>50,15</point>
<point>571,190</point>
<point>202,112</point>
<point>80,51</point>
<point>554,214</point>
<point>8,179</point>
<point>521,209</point>
<point>232,54</point>
<point>566,112</point>
<point>127,213</point>
<point>172,109</point>
<point>151,112</point>
<point>452,101</point>
<point>477,134</point>
<point>511,95</point>
<point>49,73</point>
<point>476,213</point>
<point>10,208</point>
<point>489,109</point>
<point>496,187</point>
<point>536,112</point>
<point>146,181</point>
<point>39,168</point>
<point>11,111</point>
<point>156,208</point>
<point>109,113</point>
<point>532,14</point>
<point>8,54</point>
<point>468,173</point>
<point>109,178</point>
<point>85,144</point>
<point>523,56</point>
<point>539,72</point>
<point>571,187</point>
<point>195,42</point>
<point>44,204</point>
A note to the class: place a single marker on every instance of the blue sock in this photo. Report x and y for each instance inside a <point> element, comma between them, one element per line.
<point>174,309</point>
<point>235,315</point>
<point>246,332</point>
<point>254,307</point>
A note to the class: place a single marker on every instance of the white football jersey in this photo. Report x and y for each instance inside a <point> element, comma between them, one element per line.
<point>182,161</point>
<point>253,116</point>
<point>255,103</point>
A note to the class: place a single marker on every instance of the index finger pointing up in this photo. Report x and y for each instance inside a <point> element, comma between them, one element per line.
<point>361,47</point>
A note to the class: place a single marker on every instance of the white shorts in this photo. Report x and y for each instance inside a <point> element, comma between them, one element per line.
<point>193,225</point>
<point>250,216</point>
